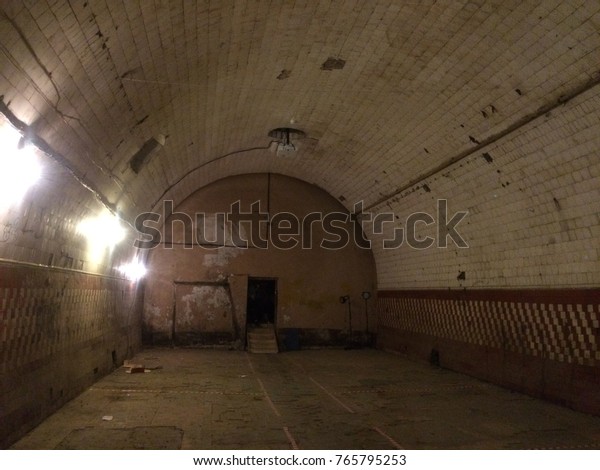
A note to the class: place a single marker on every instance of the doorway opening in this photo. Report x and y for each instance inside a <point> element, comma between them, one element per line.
<point>262,301</point>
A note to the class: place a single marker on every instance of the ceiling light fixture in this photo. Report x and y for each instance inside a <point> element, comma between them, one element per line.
<point>285,136</point>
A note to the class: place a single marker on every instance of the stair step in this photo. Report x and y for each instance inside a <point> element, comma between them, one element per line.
<point>263,345</point>
<point>262,340</point>
<point>261,332</point>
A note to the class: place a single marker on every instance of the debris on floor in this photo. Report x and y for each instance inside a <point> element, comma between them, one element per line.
<point>132,367</point>
<point>395,402</point>
<point>107,418</point>
<point>128,363</point>
<point>152,363</point>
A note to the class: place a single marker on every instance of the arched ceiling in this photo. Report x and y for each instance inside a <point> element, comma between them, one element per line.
<point>413,84</point>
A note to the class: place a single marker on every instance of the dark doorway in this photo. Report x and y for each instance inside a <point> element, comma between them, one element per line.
<point>262,301</point>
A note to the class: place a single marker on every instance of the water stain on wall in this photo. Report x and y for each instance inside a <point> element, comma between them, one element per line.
<point>203,308</point>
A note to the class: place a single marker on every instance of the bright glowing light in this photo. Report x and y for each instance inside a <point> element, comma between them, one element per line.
<point>19,167</point>
<point>102,232</point>
<point>134,270</point>
<point>105,229</point>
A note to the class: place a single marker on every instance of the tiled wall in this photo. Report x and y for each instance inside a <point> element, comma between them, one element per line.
<point>532,212</point>
<point>60,331</point>
<point>545,342</point>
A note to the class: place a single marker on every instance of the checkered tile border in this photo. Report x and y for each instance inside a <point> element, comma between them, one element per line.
<point>43,312</point>
<point>564,332</point>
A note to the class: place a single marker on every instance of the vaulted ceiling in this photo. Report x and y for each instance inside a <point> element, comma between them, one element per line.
<point>385,91</point>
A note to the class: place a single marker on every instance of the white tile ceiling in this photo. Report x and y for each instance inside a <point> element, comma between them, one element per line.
<point>422,81</point>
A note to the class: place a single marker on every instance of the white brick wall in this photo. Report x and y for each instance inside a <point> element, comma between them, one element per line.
<point>518,235</point>
<point>422,81</point>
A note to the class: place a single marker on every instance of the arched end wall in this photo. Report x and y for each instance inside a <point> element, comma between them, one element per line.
<point>197,294</point>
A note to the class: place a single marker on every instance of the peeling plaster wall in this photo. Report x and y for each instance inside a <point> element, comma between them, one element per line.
<point>203,312</point>
<point>310,282</point>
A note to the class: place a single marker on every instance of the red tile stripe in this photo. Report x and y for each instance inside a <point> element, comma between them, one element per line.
<point>543,323</point>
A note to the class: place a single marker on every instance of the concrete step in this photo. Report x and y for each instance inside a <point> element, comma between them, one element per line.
<point>262,340</point>
<point>266,342</point>
<point>259,341</point>
<point>263,344</point>
<point>267,335</point>
<point>256,349</point>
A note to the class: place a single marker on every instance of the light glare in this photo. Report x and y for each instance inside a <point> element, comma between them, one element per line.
<point>102,232</point>
<point>105,230</point>
<point>19,168</point>
<point>134,270</point>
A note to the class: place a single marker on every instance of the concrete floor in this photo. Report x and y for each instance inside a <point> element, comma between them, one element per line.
<point>328,399</point>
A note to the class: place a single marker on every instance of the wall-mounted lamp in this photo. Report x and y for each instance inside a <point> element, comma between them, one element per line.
<point>134,270</point>
<point>102,232</point>
<point>19,166</point>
